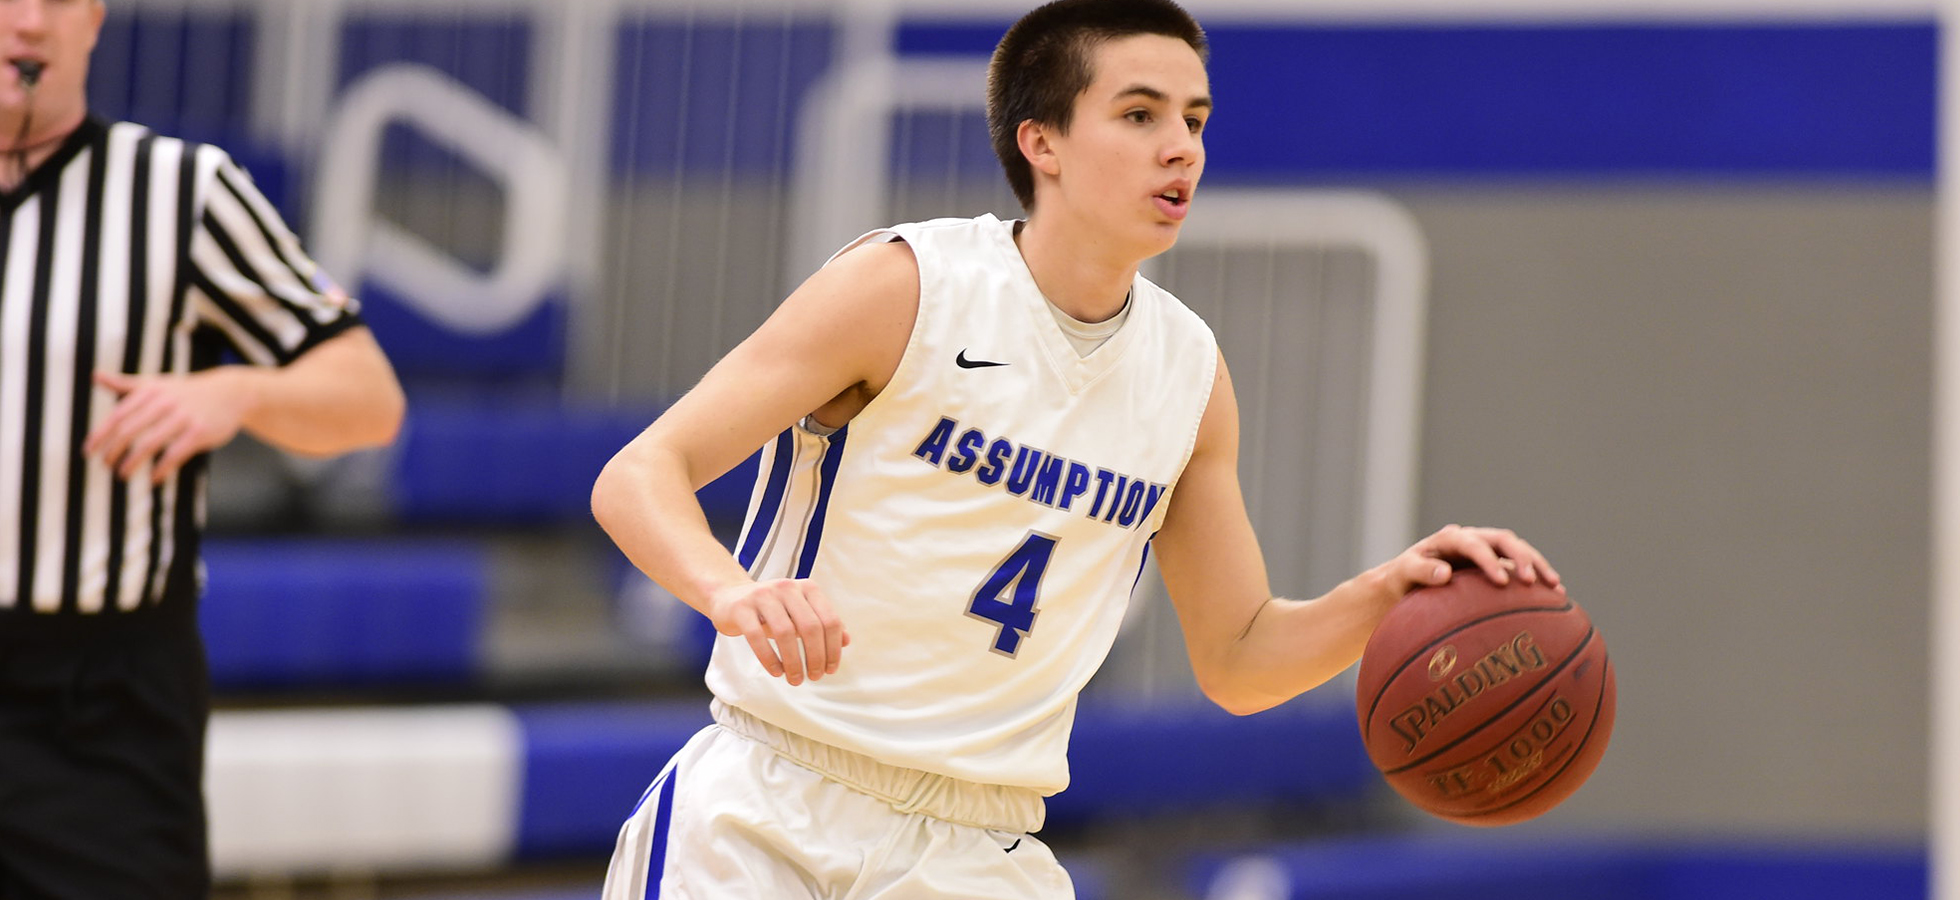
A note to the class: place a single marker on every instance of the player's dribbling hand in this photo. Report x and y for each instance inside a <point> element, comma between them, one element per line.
<point>1498,552</point>
<point>788,622</point>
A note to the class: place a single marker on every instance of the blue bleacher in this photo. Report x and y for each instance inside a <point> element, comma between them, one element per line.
<point>586,764</point>
<point>313,612</point>
<point>316,612</point>
<point>1471,864</point>
<point>512,461</point>
<point>1141,759</point>
<point>1788,871</point>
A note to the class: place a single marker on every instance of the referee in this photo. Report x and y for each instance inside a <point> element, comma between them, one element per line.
<point>129,262</point>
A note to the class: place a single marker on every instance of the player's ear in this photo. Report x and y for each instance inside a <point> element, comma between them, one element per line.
<point>97,12</point>
<point>1037,144</point>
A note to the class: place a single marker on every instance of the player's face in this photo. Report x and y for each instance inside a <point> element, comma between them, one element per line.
<point>1135,150</point>
<point>58,34</point>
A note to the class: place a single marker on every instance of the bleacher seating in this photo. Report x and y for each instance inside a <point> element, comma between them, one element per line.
<point>585,765</point>
<point>317,613</point>
<point>510,461</point>
<point>414,609</point>
<point>1468,864</point>
<point>1140,759</point>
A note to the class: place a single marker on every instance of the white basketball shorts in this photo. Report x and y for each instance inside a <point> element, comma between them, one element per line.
<point>746,811</point>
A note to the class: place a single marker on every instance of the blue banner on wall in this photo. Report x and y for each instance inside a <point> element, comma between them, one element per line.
<point>1561,101</point>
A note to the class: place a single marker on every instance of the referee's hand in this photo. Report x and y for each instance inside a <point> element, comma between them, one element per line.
<point>165,420</point>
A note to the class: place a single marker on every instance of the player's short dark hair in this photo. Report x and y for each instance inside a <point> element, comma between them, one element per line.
<point>1042,64</point>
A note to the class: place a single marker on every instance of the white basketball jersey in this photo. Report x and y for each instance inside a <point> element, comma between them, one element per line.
<point>981,524</point>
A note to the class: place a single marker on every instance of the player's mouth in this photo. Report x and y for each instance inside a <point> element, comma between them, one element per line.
<point>1174,202</point>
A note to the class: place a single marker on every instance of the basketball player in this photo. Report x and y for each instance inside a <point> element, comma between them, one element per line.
<point>972,431</point>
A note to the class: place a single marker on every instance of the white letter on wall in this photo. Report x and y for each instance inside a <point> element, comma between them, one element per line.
<point>352,244</point>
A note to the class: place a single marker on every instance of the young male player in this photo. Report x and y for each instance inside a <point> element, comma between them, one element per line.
<point>971,430</point>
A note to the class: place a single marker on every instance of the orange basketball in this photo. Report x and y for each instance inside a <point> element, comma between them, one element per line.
<point>1485,704</point>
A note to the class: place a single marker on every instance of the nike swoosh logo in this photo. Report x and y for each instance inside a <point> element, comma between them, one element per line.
<point>965,363</point>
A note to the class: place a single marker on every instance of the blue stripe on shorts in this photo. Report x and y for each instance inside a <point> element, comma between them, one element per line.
<point>657,860</point>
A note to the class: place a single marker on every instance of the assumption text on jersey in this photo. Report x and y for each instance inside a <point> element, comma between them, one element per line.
<point>1039,476</point>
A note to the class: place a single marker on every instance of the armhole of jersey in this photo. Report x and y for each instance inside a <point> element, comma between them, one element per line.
<point>1197,422</point>
<point>1204,406</point>
<point>902,376</point>
<point>902,372</point>
<point>880,236</point>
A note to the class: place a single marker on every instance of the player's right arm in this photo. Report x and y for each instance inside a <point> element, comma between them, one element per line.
<point>828,349</point>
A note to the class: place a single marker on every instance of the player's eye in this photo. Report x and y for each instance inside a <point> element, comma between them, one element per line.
<point>1194,123</point>
<point>1139,116</point>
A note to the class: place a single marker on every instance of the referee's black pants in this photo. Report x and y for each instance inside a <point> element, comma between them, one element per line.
<point>102,758</point>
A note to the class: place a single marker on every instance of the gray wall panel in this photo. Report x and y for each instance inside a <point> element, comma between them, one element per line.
<point>1711,409</point>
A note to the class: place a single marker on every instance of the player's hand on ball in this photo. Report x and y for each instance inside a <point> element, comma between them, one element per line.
<point>788,622</point>
<point>1498,552</point>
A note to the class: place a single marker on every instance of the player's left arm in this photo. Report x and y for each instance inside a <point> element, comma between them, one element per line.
<point>338,396</point>
<point>1250,650</point>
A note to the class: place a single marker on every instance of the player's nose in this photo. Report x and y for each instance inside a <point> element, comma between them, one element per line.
<point>1183,147</point>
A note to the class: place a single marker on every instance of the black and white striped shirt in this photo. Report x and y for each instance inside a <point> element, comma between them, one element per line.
<point>128,252</point>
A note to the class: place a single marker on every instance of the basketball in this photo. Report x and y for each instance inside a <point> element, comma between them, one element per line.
<point>1485,704</point>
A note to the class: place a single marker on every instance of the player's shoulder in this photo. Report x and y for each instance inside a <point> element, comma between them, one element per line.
<point>898,249</point>
<point>955,234</point>
<point>876,278</point>
<point>1172,308</point>
<point>954,223</point>
<point>879,259</point>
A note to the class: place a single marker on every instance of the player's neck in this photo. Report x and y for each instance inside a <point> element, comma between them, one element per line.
<point>1087,278</point>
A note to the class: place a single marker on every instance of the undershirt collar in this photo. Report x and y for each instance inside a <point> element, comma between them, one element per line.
<point>1085,337</point>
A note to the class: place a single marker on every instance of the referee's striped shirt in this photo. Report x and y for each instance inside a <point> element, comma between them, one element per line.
<point>128,252</point>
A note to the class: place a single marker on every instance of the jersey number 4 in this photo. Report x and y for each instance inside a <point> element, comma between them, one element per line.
<point>1008,596</point>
